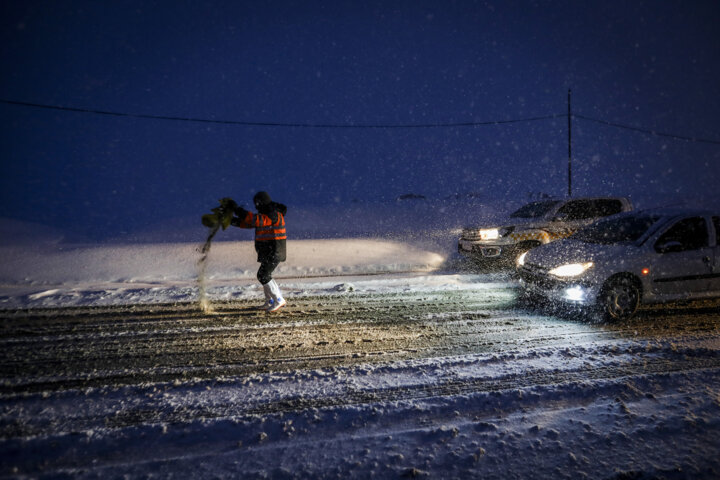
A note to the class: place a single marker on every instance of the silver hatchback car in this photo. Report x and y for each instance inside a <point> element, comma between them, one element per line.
<point>635,258</point>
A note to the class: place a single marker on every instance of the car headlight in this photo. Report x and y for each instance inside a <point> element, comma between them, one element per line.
<point>571,269</point>
<point>521,259</point>
<point>489,234</point>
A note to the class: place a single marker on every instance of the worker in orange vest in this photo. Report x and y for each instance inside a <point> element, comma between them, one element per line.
<point>270,238</point>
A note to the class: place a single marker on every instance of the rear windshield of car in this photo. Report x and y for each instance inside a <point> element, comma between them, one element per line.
<point>617,230</point>
<point>534,210</point>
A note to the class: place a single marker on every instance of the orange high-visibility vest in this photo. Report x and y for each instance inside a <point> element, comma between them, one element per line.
<point>265,229</point>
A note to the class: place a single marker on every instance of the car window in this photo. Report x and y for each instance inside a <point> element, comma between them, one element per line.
<point>617,230</point>
<point>607,206</point>
<point>534,209</point>
<point>577,210</point>
<point>687,234</point>
<point>716,223</point>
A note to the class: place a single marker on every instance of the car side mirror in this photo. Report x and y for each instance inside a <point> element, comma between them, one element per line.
<point>669,247</point>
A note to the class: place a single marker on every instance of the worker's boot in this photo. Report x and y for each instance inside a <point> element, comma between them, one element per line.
<point>277,299</point>
<point>268,297</point>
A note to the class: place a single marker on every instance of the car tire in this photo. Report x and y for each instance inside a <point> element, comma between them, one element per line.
<point>619,299</point>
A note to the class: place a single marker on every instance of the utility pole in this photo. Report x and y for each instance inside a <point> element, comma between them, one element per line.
<point>569,115</point>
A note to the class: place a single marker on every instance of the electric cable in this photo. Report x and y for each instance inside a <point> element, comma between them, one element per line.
<point>362,126</point>
<point>280,124</point>
<point>647,131</point>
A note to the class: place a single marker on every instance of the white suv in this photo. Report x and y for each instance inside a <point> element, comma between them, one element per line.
<point>535,224</point>
<point>619,263</point>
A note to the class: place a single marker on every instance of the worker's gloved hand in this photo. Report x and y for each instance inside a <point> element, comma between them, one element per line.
<point>221,215</point>
<point>225,211</point>
<point>240,212</point>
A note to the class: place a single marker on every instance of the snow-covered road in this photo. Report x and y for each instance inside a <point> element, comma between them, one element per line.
<point>438,382</point>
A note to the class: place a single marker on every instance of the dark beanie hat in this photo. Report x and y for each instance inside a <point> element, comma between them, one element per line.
<point>262,199</point>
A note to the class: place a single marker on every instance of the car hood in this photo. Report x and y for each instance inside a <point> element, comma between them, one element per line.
<point>572,251</point>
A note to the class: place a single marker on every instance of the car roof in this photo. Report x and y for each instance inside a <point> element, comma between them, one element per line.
<point>675,211</point>
<point>665,214</point>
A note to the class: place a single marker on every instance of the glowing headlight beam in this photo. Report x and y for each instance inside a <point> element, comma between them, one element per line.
<point>490,234</point>
<point>575,293</point>
<point>521,259</point>
<point>571,269</point>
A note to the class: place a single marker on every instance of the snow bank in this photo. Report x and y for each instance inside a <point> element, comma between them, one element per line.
<point>67,275</point>
<point>227,260</point>
<point>43,266</point>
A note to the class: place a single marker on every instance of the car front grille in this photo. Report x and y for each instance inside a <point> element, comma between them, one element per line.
<point>472,235</point>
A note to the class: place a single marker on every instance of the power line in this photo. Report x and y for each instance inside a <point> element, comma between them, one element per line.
<point>278,124</point>
<point>647,131</point>
<point>361,126</point>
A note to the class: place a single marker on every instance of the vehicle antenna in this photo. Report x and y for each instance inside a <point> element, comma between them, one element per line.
<point>569,145</point>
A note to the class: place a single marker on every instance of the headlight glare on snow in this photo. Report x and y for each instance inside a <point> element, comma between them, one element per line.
<point>571,269</point>
<point>575,293</point>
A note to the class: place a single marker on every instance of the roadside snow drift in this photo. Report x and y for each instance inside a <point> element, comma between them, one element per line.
<point>227,260</point>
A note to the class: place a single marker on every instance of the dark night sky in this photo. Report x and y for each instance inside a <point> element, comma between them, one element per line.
<point>654,65</point>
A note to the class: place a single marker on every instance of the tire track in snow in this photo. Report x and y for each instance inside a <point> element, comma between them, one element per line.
<point>509,382</point>
<point>61,349</point>
<point>650,367</point>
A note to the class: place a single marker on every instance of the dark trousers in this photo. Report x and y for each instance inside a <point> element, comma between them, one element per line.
<point>264,274</point>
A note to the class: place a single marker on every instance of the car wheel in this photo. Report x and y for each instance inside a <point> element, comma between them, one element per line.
<point>619,299</point>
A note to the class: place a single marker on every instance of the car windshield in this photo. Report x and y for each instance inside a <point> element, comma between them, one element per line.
<point>534,210</point>
<point>617,230</point>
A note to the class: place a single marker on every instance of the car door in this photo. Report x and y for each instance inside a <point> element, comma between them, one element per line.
<point>683,260</point>
<point>572,216</point>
